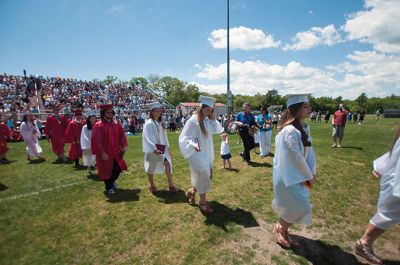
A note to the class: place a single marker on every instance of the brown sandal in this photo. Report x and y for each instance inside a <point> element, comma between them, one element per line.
<point>206,208</point>
<point>191,196</point>
<point>281,236</point>
<point>367,253</point>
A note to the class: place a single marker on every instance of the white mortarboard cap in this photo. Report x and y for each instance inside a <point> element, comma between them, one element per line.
<point>209,101</point>
<point>154,105</point>
<point>296,98</point>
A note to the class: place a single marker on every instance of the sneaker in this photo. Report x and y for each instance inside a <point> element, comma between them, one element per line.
<point>111,191</point>
<point>333,146</point>
<point>339,146</point>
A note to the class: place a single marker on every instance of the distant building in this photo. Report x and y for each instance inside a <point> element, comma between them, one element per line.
<point>391,113</point>
<point>188,107</point>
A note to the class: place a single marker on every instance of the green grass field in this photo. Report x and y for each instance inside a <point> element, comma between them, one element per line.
<point>53,214</point>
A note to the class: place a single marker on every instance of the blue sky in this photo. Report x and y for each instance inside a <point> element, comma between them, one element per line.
<point>328,48</point>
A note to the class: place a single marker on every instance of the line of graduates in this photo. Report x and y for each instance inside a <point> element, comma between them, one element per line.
<point>294,163</point>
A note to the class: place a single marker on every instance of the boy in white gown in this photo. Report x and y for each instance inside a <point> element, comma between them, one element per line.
<point>196,145</point>
<point>157,158</point>
<point>387,167</point>
<point>89,159</point>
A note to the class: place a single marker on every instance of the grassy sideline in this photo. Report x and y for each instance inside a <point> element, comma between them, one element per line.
<point>53,214</point>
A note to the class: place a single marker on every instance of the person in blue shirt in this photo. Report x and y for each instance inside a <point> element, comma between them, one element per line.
<point>244,121</point>
<point>264,122</point>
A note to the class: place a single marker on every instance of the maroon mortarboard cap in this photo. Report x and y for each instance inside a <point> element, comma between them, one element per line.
<point>78,112</point>
<point>106,106</point>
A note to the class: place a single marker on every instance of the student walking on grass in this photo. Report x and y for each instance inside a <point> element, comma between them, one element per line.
<point>386,167</point>
<point>89,159</point>
<point>31,135</point>
<point>109,145</point>
<point>73,137</point>
<point>196,145</point>
<point>4,132</point>
<point>294,169</point>
<point>157,158</point>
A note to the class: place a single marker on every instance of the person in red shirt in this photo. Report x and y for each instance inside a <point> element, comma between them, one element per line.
<point>109,144</point>
<point>55,131</point>
<point>4,132</point>
<point>73,136</point>
<point>338,122</point>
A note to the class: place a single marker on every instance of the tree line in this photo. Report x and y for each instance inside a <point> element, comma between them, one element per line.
<point>175,91</point>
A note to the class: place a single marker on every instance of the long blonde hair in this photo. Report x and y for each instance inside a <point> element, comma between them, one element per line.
<point>200,119</point>
<point>291,116</point>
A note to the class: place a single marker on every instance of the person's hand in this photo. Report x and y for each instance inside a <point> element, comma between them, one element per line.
<point>104,156</point>
<point>197,148</point>
<point>157,152</point>
<point>376,174</point>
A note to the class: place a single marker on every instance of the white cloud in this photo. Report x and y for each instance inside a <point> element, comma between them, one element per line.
<point>251,77</point>
<point>373,73</point>
<point>378,25</point>
<point>242,38</point>
<point>312,38</point>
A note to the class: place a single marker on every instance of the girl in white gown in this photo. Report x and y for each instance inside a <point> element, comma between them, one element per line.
<point>157,158</point>
<point>31,135</point>
<point>196,145</point>
<point>294,169</point>
<point>387,167</point>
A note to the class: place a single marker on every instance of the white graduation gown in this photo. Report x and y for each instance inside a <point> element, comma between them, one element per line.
<point>31,140</point>
<point>200,163</point>
<point>291,199</point>
<point>154,133</point>
<point>88,158</point>
<point>388,209</point>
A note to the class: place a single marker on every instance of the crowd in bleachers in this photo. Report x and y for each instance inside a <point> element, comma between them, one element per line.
<point>18,93</point>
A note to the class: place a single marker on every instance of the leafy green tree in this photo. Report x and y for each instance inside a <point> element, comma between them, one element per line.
<point>110,79</point>
<point>361,100</point>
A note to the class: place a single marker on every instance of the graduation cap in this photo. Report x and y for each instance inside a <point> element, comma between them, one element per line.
<point>297,98</point>
<point>209,101</point>
<point>154,105</point>
<point>106,106</point>
<point>77,112</point>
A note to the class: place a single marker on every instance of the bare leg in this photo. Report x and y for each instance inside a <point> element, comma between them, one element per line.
<point>168,173</point>
<point>229,163</point>
<point>370,235</point>
<point>151,180</point>
<point>224,161</point>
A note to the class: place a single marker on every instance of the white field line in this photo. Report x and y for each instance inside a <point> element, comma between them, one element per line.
<point>15,197</point>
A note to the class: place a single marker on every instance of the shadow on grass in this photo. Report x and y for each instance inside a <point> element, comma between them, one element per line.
<point>256,164</point>
<point>169,197</point>
<point>3,187</point>
<point>233,170</point>
<point>94,177</point>
<point>37,161</point>
<point>224,215</point>
<point>80,167</point>
<point>8,162</point>
<point>123,195</point>
<point>317,252</point>
<point>352,147</point>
